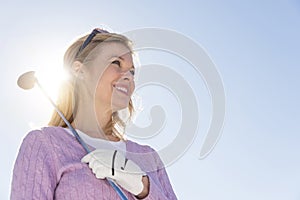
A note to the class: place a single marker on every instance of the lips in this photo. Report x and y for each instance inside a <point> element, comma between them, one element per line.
<point>122,88</point>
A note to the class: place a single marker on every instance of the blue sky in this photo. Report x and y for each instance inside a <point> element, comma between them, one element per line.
<point>255,46</point>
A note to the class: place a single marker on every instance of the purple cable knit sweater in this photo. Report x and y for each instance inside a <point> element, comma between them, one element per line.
<point>48,166</point>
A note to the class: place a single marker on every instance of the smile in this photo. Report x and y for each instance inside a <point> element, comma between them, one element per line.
<point>122,89</point>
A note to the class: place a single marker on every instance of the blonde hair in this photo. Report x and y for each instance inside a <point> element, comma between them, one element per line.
<point>67,96</point>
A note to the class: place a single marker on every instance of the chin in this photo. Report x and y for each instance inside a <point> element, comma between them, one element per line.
<point>119,106</point>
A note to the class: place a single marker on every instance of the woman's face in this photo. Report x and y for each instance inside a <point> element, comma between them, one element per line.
<point>111,75</point>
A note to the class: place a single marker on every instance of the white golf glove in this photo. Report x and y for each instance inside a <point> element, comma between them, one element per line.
<point>112,164</point>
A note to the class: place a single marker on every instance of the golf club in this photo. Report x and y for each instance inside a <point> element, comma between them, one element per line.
<point>27,81</point>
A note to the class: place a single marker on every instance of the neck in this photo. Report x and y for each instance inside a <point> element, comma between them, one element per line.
<point>92,120</point>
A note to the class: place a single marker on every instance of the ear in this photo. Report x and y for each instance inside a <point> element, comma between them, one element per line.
<point>77,69</point>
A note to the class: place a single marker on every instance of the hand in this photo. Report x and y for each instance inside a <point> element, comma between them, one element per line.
<point>112,164</point>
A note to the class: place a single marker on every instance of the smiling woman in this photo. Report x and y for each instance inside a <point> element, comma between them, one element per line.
<point>52,164</point>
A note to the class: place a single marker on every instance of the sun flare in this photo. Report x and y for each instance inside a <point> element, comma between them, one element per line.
<point>50,81</point>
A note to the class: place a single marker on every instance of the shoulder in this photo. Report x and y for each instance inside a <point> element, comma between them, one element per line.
<point>56,140</point>
<point>46,133</point>
<point>36,144</point>
<point>48,136</point>
<point>146,156</point>
<point>138,148</point>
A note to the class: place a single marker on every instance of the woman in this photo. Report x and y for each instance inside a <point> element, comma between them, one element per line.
<point>52,164</point>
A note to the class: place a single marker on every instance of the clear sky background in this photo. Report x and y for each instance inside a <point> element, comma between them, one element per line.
<point>255,46</point>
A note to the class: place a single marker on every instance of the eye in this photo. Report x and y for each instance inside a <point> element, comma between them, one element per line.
<point>117,62</point>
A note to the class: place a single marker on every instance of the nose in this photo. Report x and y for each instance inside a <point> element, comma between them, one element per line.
<point>127,75</point>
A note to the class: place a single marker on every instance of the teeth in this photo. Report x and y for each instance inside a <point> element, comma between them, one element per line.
<point>122,89</point>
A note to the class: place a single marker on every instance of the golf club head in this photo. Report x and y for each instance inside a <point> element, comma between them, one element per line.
<point>27,80</point>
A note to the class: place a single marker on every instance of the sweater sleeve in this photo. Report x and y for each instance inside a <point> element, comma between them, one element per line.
<point>34,169</point>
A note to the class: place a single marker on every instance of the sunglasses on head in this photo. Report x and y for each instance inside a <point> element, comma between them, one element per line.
<point>89,38</point>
